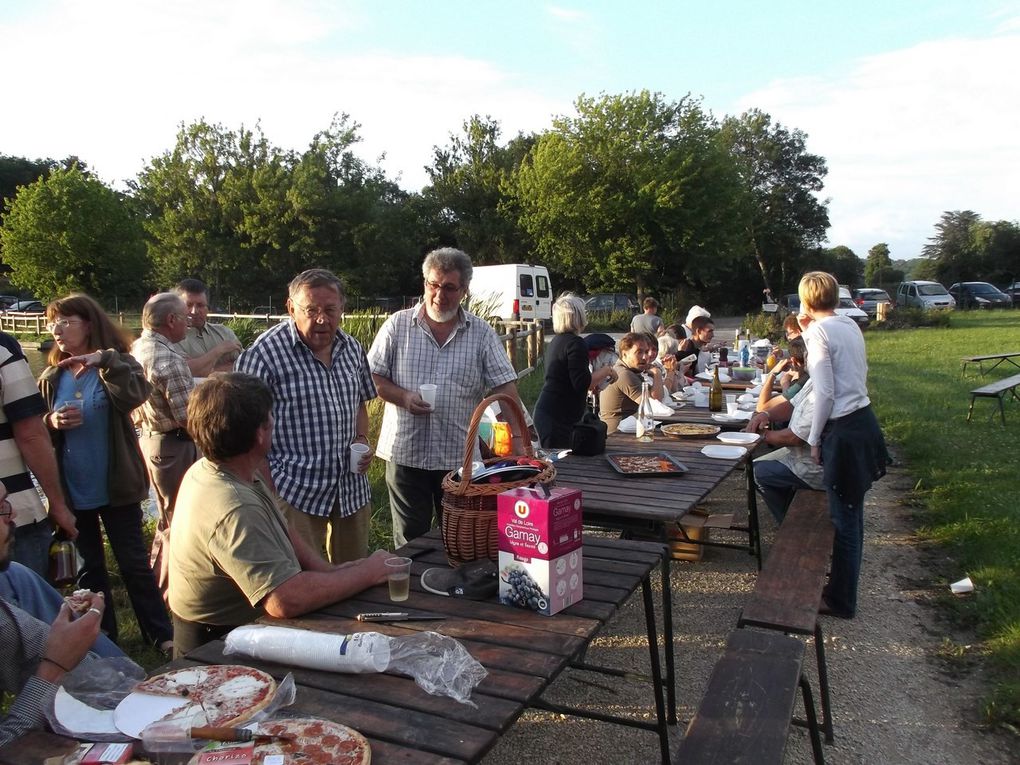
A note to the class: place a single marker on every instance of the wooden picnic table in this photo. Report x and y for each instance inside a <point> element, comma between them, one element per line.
<point>652,504</point>
<point>998,358</point>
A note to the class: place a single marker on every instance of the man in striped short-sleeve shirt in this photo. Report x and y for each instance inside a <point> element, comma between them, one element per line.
<point>440,343</point>
<point>320,383</point>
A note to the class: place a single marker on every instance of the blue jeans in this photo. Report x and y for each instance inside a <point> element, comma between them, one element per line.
<point>32,546</point>
<point>415,494</point>
<point>123,527</point>
<point>847,553</point>
<point>777,484</point>
<point>22,587</point>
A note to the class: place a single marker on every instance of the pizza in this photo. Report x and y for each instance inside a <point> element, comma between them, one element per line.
<point>689,430</point>
<point>228,694</point>
<point>645,463</point>
<point>314,742</point>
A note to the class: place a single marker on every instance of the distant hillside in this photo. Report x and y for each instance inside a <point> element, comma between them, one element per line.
<point>908,266</point>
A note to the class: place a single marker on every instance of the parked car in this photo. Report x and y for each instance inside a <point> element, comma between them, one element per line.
<point>924,295</point>
<point>979,295</point>
<point>26,306</point>
<point>1013,290</point>
<point>868,299</point>
<point>607,302</point>
<point>6,300</point>
<point>791,304</point>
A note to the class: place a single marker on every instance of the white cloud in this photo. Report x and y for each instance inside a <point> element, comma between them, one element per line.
<point>910,134</point>
<point>111,82</point>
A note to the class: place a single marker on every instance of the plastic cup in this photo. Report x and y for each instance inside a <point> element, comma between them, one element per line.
<point>398,576</point>
<point>428,393</point>
<point>732,408</point>
<point>358,450</point>
<point>76,403</point>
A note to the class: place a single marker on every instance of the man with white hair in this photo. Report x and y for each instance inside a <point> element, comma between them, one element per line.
<point>163,418</point>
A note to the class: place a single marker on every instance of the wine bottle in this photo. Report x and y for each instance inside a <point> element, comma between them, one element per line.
<point>645,423</point>
<point>715,396</point>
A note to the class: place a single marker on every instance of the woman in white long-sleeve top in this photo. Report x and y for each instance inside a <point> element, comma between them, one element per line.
<point>845,437</point>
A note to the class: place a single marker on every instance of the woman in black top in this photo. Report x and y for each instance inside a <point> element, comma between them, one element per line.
<point>568,377</point>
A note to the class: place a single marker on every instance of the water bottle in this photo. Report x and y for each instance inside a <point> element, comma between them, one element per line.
<point>645,423</point>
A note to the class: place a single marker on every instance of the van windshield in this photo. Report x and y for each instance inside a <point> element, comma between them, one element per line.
<point>931,289</point>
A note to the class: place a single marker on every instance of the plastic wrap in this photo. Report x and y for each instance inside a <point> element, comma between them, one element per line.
<point>439,664</point>
<point>83,707</point>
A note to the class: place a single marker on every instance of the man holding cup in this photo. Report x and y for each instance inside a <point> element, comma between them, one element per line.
<point>432,365</point>
<point>235,557</point>
<point>320,383</point>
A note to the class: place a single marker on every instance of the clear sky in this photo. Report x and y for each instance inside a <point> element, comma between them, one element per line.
<point>915,104</point>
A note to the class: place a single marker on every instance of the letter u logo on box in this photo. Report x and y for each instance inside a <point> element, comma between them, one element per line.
<point>521,509</point>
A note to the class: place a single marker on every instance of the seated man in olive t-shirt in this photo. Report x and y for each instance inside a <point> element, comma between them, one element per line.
<point>233,557</point>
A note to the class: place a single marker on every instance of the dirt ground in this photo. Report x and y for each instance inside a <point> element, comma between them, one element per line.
<point>894,698</point>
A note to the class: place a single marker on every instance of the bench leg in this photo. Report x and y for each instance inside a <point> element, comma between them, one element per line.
<point>667,634</point>
<point>823,685</point>
<point>753,529</point>
<point>970,411</point>
<point>653,655</point>
<point>1002,412</point>
<point>812,722</point>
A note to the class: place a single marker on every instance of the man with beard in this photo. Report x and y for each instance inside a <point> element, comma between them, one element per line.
<point>621,398</point>
<point>440,343</point>
<point>34,656</point>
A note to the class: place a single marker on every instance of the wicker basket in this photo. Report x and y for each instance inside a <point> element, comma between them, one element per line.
<point>469,509</point>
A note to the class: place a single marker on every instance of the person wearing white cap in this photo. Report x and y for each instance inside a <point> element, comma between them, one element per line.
<point>692,314</point>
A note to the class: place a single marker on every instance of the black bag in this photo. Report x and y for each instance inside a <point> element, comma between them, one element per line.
<point>589,435</point>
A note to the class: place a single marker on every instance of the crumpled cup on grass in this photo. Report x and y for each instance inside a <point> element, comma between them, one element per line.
<point>962,587</point>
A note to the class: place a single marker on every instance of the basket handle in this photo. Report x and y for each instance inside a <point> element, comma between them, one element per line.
<point>518,430</point>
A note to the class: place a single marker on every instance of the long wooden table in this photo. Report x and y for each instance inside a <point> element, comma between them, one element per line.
<point>522,651</point>
<point>652,504</point>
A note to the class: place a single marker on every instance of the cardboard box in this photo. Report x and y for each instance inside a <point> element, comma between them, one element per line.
<point>540,549</point>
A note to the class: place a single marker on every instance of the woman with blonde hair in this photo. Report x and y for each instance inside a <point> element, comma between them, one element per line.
<point>568,377</point>
<point>91,387</point>
<point>845,437</point>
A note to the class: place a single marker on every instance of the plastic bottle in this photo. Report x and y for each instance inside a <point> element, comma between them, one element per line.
<point>715,394</point>
<point>645,423</point>
<point>745,353</point>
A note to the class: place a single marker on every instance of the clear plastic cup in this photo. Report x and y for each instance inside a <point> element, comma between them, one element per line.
<point>428,393</point>
<point>398,576</point>
<point>358,450</point>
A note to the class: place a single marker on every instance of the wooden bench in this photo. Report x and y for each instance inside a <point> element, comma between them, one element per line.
<point>748,706</point>
<point>789,588</point>
<point>998,358</point>
<point>1006,385</point>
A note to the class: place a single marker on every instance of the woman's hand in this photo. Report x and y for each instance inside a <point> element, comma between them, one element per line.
<point>67,417</point>
<point>79,364</point>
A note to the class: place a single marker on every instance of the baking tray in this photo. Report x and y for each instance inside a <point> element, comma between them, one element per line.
<point>647,463</point>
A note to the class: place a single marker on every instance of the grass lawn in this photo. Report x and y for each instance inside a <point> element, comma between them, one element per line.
<point>966,473</point>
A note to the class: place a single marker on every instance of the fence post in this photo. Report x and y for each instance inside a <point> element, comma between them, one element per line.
<point>532,347</point>
<point>511,339</point>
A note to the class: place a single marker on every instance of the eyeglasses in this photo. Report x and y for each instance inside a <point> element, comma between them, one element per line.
<point>62,323</point>
<point>313,312</point>
<point>449,288</point>
<point>5,509</point>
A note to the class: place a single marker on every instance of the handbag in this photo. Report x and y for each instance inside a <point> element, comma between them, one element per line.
<point>588,437</point>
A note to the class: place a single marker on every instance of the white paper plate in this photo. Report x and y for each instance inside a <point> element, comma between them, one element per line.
<point>739,438</point>
<point>137,710</point>
<point>681,396</point>
<point>723,452</point>
<point>709,377</point>
<point>738,417</point>
<point>629,425</point>
<point>755,390</point>
<point>81,719</point>
<point>746,398</point>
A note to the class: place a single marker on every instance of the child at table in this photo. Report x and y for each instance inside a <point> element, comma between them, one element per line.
<point>845,437</point>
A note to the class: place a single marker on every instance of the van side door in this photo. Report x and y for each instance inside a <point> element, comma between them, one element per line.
<point>526,289</point>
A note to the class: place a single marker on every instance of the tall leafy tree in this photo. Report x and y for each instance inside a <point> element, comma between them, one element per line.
<point>953,250</point>
<point>785,220</point>
<point>632,189</point>
<point>878,267</point>
<point>466,199</point>
<point>69,232</point>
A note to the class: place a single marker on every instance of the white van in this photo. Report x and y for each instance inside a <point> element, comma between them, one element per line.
<point>514,291</point>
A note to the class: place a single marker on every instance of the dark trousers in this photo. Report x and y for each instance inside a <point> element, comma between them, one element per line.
<point>123,526</point>
<point>190,635</point>
<point>415,495</point>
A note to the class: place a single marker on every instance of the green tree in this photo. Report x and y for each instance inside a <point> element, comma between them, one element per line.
<point>878,267</point>
<point>632,190</point>
<point>785,221</point>
<point>69,232</point>
<point>954,250</point>
<point>466,201</point>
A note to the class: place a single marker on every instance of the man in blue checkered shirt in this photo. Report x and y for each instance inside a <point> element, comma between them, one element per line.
<point>320,382</point>
<point>439,343</point>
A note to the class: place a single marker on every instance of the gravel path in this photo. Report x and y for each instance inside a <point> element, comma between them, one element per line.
<point>894,700</point>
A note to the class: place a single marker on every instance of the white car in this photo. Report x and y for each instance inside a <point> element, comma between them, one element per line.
<point>847,307</point>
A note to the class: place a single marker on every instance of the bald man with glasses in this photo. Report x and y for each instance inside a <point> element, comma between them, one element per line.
<point>440,343</point>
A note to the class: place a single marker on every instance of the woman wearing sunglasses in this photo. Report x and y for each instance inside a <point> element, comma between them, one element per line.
<point>91,387</point>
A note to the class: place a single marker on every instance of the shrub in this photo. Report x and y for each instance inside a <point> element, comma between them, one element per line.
<point>763,325</point>
<point>906,318</point>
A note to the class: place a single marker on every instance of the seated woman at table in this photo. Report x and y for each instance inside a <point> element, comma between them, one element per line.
<point>621,398</point>
<point>568,377</point>
<point>665,365</point>
<point>791,373</point>
<point>845,437</point>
